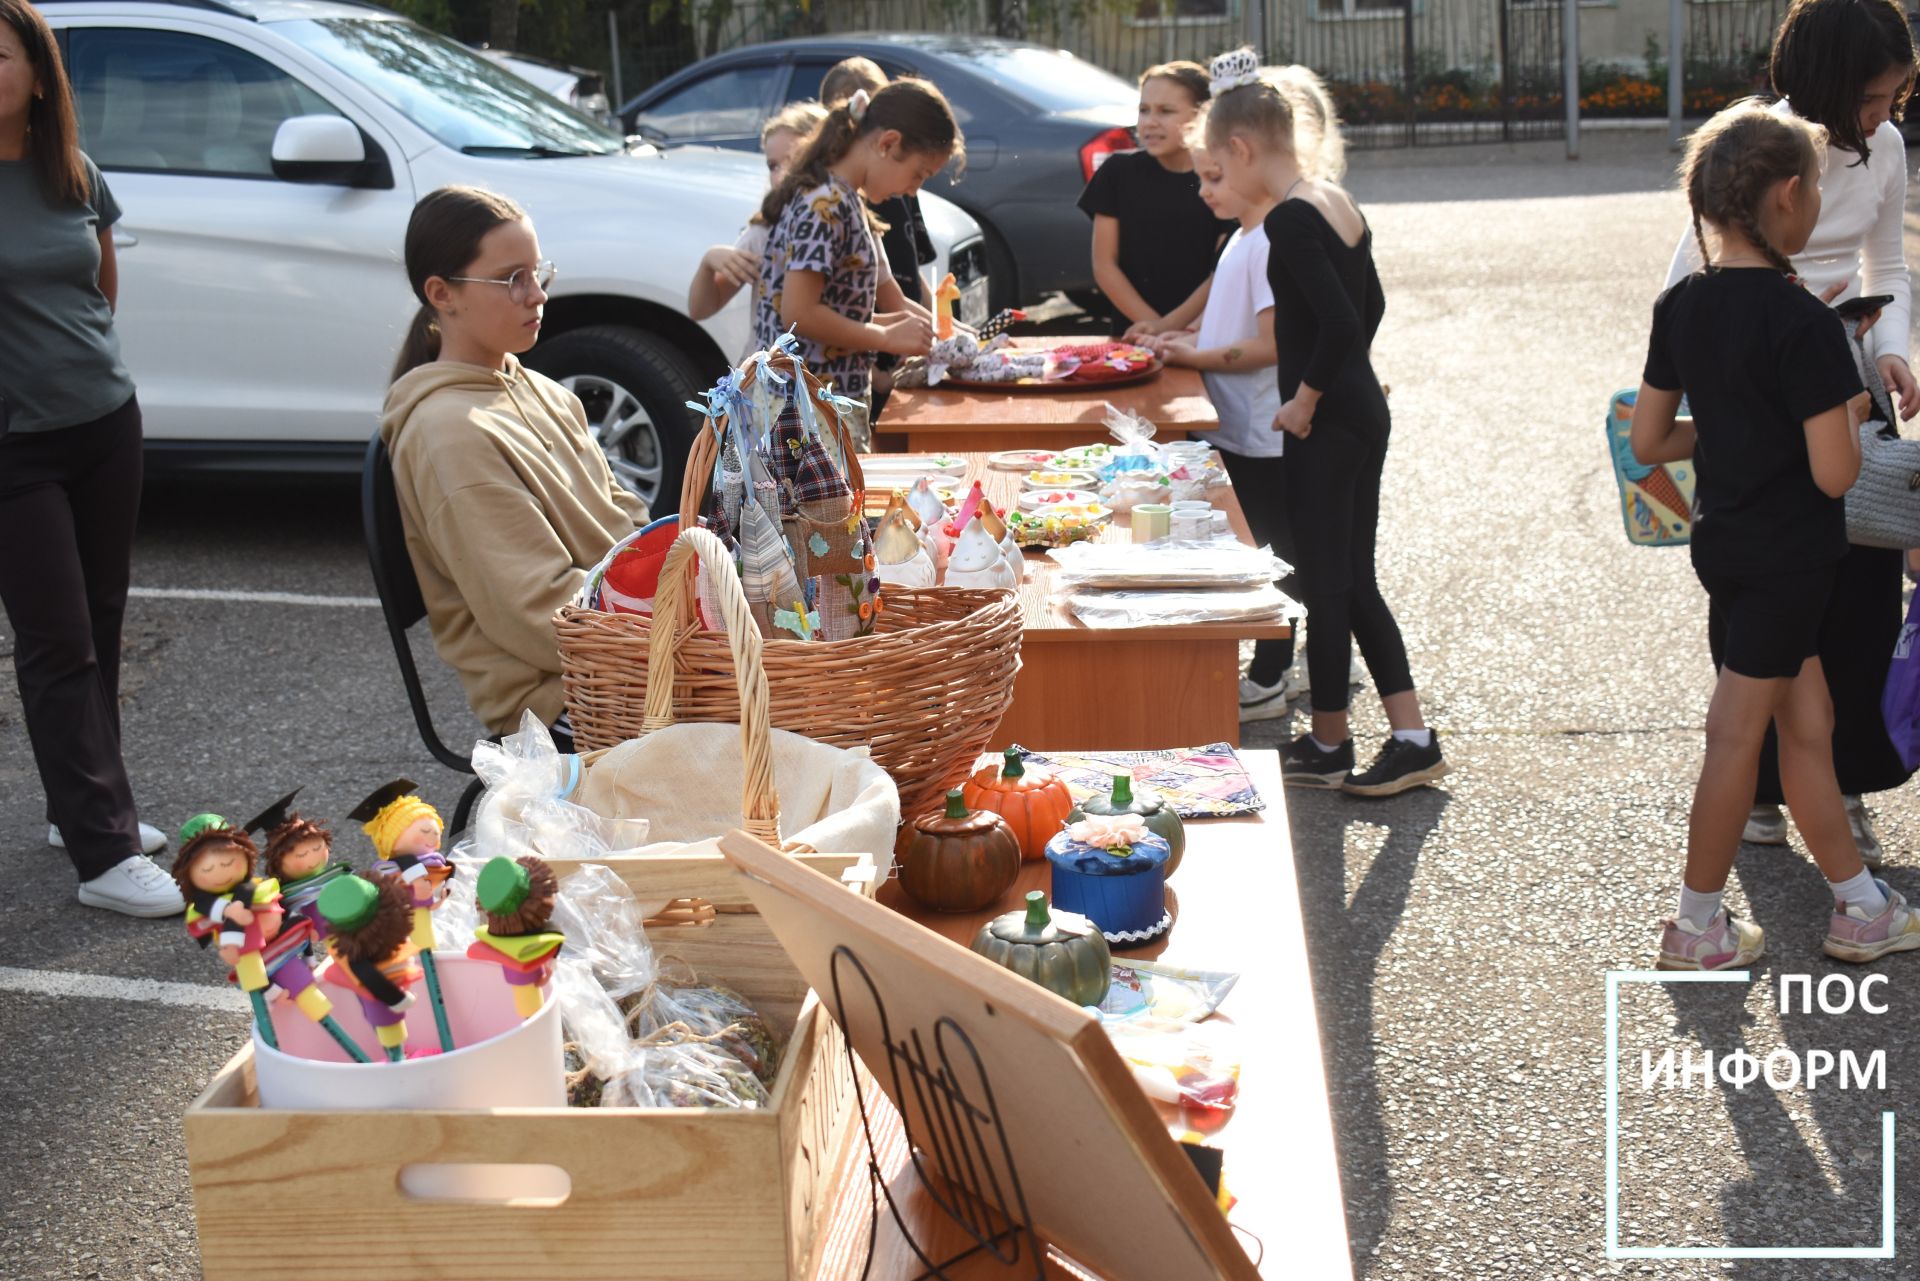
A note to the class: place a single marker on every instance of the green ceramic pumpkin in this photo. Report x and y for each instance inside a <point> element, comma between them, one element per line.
<point>1158,815</point>
<point>1061,951</point>
<point>957,859</point>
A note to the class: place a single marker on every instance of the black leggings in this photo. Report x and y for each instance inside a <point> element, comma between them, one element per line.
<point>1333,504</point>
<point>71,496</point>
<point>1258,484</point>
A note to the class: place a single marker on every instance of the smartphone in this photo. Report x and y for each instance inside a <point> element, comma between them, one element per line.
<point>1862,307</point>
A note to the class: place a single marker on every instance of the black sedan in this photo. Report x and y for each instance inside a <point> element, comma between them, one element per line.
<point>1037,121</point>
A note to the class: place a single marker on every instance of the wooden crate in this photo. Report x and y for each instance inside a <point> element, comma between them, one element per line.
<point>656,1194</point>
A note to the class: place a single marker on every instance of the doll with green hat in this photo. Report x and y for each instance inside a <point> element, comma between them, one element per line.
<point>369,941</point>
<point>517,895</point>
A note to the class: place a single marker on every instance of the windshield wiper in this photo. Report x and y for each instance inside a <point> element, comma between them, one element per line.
<point>538,151</point>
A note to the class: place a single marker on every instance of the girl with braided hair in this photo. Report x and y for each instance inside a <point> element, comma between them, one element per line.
<point>1848,66</point>
<point>1775,397</point>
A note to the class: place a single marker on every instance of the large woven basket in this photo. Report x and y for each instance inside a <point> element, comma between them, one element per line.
<point>925,691</point>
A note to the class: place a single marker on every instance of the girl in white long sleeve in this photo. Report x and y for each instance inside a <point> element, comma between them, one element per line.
<point>1848,66</point>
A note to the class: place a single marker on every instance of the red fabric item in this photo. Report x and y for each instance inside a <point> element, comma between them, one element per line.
<point>634,577</point>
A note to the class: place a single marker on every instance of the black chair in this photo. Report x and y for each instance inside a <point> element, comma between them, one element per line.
<point>401,602</point>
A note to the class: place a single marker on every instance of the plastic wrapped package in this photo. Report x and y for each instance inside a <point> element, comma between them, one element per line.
<point>597,912</point>
<point>683,1074</point>
<point>1217,563</point>
<point>1111,609</point>
<point>1167,994</point>
<point>525,809</point>
<point>670,1012</point>
<point>1193,1065</point>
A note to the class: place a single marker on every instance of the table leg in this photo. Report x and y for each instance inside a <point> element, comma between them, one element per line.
<point>1124,695</point>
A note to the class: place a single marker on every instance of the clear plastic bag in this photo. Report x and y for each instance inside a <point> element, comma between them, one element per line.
<point>1224,562</point>
<point>1189,1065</point>
<point>686,1074</point>
<point>1112,609</point>
<point>525,811</point>
<point>1166,994</point>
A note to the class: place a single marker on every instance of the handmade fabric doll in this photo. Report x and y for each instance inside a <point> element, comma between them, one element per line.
<point>298,854</point>
<point>369,924</point>
<point>517,895</point>
<point>405,832</point>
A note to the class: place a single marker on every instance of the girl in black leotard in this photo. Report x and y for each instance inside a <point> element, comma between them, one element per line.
<point>1327,305</point>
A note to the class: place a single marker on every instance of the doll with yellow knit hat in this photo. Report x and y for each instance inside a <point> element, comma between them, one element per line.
<point>405,832</point>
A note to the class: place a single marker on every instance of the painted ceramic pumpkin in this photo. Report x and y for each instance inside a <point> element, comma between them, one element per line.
<point>1159,815</point>
<point>1034,802</point>
<point>957,859</point>
<point>1061,951</point>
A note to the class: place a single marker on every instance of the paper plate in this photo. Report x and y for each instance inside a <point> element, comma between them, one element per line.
<point>1021,460</point>
<point>1061,479</point>
<point>1034,499</point>
<point>912,466</point>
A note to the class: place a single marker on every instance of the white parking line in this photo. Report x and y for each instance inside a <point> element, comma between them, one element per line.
<point>253,598</point>
<point>108,987</point>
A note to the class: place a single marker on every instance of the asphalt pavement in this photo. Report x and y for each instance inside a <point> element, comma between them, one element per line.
<point>1460,936</point>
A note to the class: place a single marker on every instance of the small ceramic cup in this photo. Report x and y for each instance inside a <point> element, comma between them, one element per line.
<point>1218,521</point>
<point>1191,527</point>
<point>1151,522</point>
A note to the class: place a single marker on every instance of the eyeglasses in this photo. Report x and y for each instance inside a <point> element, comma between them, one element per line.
<point>521,283</point>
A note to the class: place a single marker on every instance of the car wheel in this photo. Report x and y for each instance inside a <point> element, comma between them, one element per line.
<point>635,387</point>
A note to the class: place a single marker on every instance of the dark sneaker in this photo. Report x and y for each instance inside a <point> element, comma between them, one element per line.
<point>1399,766</point>
<point>1303,764</point>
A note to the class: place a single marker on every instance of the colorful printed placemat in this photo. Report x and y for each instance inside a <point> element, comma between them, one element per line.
<point>1199,782</point>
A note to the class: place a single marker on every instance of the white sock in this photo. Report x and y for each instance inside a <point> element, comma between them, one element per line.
<point>1861,891</point>
<point>1325,747</point>
<point>1418,737</point>
<point>1700,908</point>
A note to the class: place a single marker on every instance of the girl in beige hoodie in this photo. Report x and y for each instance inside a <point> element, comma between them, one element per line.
<point>507,500</point>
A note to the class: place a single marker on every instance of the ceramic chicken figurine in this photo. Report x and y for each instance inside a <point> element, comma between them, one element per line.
<point>405,832</point>
<point>977,561</point>
<point>899,557</point>
<point>1009,549</point>
<point>933,519</point>
<point>517,895</point>
<point>897,502</point>
<point>370,945</point>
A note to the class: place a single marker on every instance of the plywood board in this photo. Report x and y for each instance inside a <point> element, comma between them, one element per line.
<point>1099,1175</point>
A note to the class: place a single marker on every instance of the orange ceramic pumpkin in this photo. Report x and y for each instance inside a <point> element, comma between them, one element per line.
<point>1033,802</point>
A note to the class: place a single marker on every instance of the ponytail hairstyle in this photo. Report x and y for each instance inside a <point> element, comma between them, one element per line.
<point>443,239</point>
<point>1190,76</point>
<point>1734,159</point>
<point>53,132</point>
<point>1826,51</point>
<point>847,77</point>
<point>1317,140</point>
<point>914,107</point>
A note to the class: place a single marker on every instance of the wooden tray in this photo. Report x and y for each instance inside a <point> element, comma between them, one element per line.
<point>1029,386</point>
<point>652,1194</point>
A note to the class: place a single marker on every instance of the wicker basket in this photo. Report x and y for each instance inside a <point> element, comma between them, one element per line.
<point>925,691</point>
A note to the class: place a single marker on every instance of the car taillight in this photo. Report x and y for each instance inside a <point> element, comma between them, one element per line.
<point>1093,153</point>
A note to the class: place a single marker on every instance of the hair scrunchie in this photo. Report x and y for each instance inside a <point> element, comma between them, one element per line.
<point>386,826</point>
<point>1234,70</point>
<point>857,105</point>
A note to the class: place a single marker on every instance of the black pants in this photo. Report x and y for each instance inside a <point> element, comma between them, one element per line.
<point>1857,636</point>
<point>1259,485</point>
<point>68,502</point>
<point>1333,505</point>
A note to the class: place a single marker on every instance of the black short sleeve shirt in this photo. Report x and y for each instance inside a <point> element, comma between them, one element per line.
<point>1757,355</point>
<point>1169,239</point>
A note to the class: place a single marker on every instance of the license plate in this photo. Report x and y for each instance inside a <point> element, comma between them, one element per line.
<point>973,305</point>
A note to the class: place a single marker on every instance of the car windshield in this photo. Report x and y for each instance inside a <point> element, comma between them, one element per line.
<point>1047,78</point>
<point>459,97</point>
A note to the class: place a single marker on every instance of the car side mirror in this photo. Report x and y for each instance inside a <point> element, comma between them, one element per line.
<point>329,150</point>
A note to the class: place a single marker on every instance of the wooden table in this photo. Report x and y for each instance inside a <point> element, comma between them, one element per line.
<point>1127,688</point>
<point>1237,908</point>
<point>950,421</point>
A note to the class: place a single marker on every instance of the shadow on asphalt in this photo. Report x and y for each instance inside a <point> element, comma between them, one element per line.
<point>1353,934</point>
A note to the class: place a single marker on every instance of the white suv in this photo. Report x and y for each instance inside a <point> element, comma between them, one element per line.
<point>267,154</point>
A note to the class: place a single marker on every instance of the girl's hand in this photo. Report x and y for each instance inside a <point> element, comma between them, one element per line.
<point>1899,380</point>
<point>1177,351</point>
<point>732,266</point>
<point>905,334</point>
<point>1295,418</point>
<point>1142,329</point>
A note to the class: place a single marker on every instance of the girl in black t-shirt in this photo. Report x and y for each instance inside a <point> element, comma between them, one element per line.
<point>1154,241</point>
<point>1775,398</point>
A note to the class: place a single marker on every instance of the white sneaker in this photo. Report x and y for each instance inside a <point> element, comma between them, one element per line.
<point>152,839</point>
<point>136,887</point>
<point>1264,702</point>
<point>1766,825</point>
<point>1870,851</point>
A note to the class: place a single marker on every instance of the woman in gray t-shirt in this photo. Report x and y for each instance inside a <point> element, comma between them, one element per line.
<point>70,470</point>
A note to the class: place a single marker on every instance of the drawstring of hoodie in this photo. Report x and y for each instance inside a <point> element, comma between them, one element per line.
<point>509,382</point>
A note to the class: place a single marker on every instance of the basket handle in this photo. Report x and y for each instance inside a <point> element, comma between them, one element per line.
<point>759,802</point>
